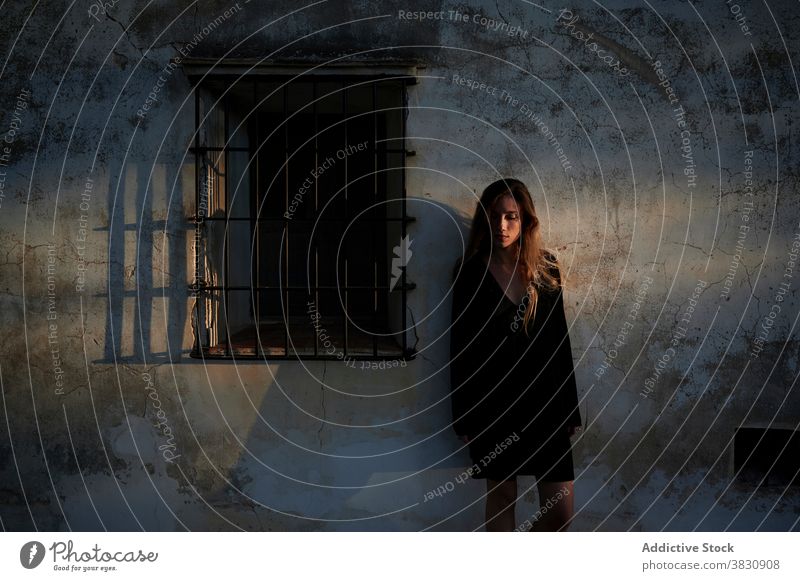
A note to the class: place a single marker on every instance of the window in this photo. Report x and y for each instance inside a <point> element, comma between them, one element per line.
<point>300,216</point>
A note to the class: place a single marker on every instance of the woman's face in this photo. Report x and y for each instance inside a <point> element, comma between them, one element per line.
<point>506,221</point>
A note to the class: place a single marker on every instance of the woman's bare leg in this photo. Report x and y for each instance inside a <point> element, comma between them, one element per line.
<point>500,503</point>
<point>556,516</point>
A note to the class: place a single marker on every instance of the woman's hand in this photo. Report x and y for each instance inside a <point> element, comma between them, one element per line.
<point>572,430</point>
<point>464,439</point>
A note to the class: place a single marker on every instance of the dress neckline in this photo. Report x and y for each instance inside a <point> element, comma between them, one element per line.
<point>497,284</point>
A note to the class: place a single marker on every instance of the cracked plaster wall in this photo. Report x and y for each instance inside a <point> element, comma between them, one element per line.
<point>247,435</point>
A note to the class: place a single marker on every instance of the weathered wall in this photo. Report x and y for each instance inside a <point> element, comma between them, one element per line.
<point>646,204</point>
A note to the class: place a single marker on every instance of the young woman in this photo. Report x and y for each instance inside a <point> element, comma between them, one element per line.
<point>513,392</point>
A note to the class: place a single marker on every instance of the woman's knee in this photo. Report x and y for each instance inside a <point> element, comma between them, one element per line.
<point>556,504</point>
<point>505,491</point>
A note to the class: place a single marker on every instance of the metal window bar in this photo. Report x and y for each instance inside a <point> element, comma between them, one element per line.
<point>373,224</point>
<point>403,224</point>
<point>199,285</point>
<point>255,243</point>
<point>226,267</point>
<point>285,266</point>
<point>346,113</point>
<point>316,209</point>
<point>197,311</point>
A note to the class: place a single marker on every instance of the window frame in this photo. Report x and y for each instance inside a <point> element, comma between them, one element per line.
<point>350,74</point>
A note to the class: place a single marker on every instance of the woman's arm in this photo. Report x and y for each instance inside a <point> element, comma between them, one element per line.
<point>568,389</point>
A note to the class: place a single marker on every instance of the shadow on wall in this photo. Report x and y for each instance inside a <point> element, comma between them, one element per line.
<point>329,447</point>
<point>139,289</point>
<point>307,445</point>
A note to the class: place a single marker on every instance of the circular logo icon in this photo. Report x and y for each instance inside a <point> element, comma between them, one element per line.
<point>31,554</point>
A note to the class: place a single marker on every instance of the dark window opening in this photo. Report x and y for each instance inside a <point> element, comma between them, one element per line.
<point>300,217</point>
<point>767,456</point>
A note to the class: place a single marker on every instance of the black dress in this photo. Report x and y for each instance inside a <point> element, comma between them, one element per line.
<point>513,395</point>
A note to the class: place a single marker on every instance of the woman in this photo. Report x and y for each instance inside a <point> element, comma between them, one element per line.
<point>513,392</point>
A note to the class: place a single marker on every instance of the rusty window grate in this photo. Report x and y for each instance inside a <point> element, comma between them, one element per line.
<point>300,217</point>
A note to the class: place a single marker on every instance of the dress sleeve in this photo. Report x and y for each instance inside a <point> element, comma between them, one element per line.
<point>465,352</point>
<point>568,391</point>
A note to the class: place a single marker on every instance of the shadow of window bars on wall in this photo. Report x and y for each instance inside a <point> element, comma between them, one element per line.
<point>300,220</point>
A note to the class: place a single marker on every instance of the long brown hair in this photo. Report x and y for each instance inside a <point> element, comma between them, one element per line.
<point>536,264</point>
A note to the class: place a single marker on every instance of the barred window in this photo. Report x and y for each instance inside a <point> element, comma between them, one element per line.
<point>300,220</point>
